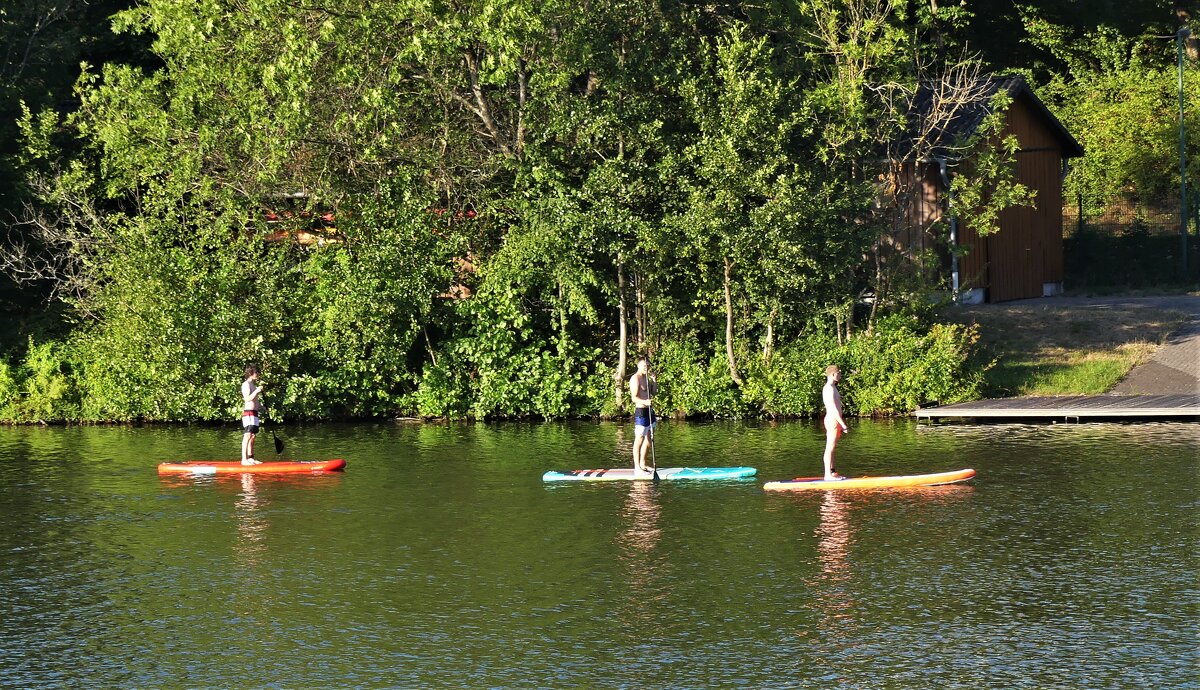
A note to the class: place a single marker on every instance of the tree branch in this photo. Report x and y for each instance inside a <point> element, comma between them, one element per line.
<point>480,107</point>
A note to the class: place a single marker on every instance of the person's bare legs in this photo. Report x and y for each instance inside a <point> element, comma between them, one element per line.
<point>639,446</point>
<point>647,440</point>
<point>831,438</point>
<point>248,449</point>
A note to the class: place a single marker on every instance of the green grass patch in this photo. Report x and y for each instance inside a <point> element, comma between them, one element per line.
<point>1070,347</point>
<point>1013,377</point>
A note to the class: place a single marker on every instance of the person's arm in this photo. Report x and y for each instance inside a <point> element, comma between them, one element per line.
<point>252,401</point>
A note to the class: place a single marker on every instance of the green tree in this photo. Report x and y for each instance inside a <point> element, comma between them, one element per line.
<point>737,163</point>
<point>1121,102</point>
<point>572,168</point>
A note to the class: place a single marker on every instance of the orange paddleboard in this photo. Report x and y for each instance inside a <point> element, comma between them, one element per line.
<point>809,483</point>
<point>202,467</point>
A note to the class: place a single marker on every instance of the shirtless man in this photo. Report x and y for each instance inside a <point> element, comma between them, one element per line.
<point>642,387</point>
<point>835,426</point>
<point>252,410</point>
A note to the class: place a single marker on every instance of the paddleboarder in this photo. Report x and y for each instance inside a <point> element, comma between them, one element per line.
<point>642,388</point>
<point>252,410</point>
<point>835,426</point>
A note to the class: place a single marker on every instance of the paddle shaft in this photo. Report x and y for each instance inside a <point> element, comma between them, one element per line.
<point>653,460</point>
<point>278,443</point>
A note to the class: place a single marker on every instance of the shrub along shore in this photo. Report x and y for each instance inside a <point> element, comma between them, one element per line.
<point>947,355</point>
<point>905,362</point>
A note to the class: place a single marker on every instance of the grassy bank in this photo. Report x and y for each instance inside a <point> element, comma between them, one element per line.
<point>1068,346</point>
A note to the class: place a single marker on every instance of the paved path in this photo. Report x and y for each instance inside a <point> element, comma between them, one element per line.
<point>1175,368</point>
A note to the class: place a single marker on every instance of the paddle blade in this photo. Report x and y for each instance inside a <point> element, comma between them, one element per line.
<point>278,443</point>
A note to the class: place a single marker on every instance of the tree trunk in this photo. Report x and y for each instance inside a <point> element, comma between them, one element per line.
<point>881,289</point>
<point>640,309</point>
<point>429,347</point>
<point>733,373</point>
<point>769,345</point>
<point>872,317</point>
<point>480,105</point>
<point>622,348</point>
<point>522,94</point>
<point>562,328</point>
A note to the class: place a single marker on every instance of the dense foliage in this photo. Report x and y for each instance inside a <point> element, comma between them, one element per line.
<point>485,209</point>
<point>1121,98</point>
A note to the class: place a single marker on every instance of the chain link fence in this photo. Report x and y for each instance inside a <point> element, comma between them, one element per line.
<point>1117,215</point>
<point>1113,242</point>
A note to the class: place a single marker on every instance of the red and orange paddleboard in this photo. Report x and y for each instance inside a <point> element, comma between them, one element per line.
<point>203,467</point>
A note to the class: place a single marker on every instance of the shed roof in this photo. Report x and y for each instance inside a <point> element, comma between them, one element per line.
<point>967,118</point>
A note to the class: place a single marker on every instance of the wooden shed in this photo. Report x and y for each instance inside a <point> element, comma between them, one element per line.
<point>1025,258</point>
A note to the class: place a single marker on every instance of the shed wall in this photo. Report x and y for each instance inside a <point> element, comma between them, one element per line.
<point>1027,252</point>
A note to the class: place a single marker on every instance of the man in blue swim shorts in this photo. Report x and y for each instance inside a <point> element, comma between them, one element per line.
<point>642,388</point>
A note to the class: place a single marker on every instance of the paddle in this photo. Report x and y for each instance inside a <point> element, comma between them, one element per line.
<point>653,460</point>
<point>278,443</point>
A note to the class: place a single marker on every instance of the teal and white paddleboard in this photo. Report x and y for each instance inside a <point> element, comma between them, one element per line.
<point>627,474</point>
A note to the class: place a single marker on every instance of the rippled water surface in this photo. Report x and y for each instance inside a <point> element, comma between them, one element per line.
<point>439,559</point>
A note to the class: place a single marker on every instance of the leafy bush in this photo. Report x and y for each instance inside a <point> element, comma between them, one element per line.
<point>790,384</point>
<point>903,363</point>
<point>695,382</point>
<point>49,387</point>
<point>901,366</point>
<point>499,369</point>
<point>10,395</point>
<point>442,391</point>
<point>42,388</point>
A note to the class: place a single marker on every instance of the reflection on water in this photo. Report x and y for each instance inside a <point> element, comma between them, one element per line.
<point>640,514</point>
<point>645,569</point>
<point>251,524</point>
<point>834,596</point>
<point>846,585</point>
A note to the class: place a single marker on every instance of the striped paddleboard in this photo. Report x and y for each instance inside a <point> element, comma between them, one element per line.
<point>627,474</point>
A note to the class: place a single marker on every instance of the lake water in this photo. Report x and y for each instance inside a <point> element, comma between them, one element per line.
<point>440,559</point>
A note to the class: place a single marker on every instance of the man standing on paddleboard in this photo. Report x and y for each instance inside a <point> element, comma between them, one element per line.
<point>252,410</point>
<point>642,387</point>
<point>835,426</point>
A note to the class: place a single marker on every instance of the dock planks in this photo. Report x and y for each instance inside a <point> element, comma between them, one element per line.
<point>1071,408</point>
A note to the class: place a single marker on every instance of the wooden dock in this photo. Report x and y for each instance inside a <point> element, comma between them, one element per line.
<point>1071,408</point>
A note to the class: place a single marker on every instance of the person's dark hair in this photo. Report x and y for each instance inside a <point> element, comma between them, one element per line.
<point>251,370</point>
<point>644,358</point>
